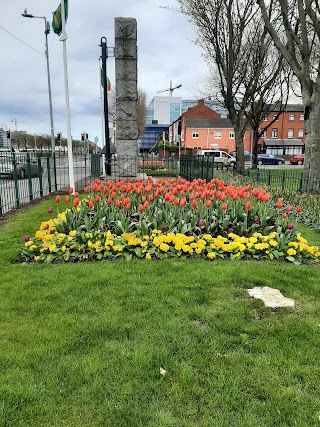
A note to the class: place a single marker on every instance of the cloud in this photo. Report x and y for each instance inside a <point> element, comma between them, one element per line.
<point>165,53</point>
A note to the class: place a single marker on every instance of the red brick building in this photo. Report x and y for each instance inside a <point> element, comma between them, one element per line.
<point>286,135</point>
<point>202,128</point>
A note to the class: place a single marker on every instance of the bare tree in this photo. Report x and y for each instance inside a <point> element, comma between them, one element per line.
<point>294,26</point>
<point>232,35</point>
<point>141,108</point>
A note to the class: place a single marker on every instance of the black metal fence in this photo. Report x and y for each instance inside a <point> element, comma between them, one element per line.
<point>192,167</point>
<point>28,176</point>
<point>25,176</point>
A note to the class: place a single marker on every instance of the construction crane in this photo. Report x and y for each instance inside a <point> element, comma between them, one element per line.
<point>171,89</point>
<point>15,121</point>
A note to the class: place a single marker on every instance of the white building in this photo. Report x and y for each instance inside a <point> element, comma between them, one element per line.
<point>4,141</point>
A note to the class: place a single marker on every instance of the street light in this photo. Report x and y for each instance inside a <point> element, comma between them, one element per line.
<point>46,52</point>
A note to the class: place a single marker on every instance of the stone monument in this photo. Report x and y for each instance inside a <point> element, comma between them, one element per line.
<point>126,73</point>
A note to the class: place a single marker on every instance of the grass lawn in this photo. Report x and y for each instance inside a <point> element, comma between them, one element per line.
<point>82,344</point>
<point>289,179</point>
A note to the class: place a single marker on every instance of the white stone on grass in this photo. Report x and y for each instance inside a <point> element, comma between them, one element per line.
<point>271,297</point>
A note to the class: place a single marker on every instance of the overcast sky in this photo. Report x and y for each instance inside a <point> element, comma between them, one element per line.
<point>165,52</point>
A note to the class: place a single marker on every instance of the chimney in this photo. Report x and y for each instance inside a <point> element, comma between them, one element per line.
<point>200,101</point>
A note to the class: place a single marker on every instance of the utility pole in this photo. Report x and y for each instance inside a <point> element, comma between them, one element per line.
<point>104,55</point>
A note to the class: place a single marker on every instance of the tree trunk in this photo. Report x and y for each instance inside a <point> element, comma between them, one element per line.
<point>255,143</point>
<point>312,144</point>
<point>238,134</point>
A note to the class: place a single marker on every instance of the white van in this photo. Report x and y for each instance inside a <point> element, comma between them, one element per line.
<point>218,156</point>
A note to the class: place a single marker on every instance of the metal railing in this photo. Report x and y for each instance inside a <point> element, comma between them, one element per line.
<point>193,167</point>
<point>26,176</point>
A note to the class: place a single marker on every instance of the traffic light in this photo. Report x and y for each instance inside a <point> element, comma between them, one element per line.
<point>87,136</point>
<point>8,134</point>
<point>82,137</point>
<point>58,137</point>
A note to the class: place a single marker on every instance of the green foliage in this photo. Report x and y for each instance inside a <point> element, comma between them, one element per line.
<point>82,343</point>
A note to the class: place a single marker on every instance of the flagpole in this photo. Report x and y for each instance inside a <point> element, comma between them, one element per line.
<point>101,107</point>
<point>63,38</point>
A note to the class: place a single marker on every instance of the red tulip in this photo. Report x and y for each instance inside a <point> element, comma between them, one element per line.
<point>298,209</point>
<point>224,207</point>
<point>57,199</point>
<point>248,206</point>
<point>75,202</point>
<point>70,191</point>
<point>66,199</point>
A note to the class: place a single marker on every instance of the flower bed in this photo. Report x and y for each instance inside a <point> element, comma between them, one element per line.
<point>150,165</point>
<point>168,218</point>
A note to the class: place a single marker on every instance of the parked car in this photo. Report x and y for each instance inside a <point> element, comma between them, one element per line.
<point>269,159</point>
<point>8,164</point>
<point>298,159</point>
<point>218,156</point>
<point>247,155</point>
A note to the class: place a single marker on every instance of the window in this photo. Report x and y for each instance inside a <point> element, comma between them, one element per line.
<point>231,135</point>
<point>274,133</point>
<point>195,135</point>
<point>301,117</point>
<point>300,133</point>
<point>275,116</point>
<point>275,151</point>
<point>290,133</point>
<point>265,118</point>
<point>291,117</point>
<point>218,134</point>
<point>264,133</point>
<point>291,150</point>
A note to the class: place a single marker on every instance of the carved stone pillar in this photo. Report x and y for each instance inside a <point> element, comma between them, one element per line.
<point>126,96</point>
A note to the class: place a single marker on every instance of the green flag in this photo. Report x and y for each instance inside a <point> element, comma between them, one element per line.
<point>56,18</point>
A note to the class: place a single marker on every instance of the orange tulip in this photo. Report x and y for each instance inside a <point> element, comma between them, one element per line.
<point>66,199</point>
<point>248,206</point>
<point>70,191</point>
<point>57,199</point>
<point>224,207</point>
<point>208,203</point>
